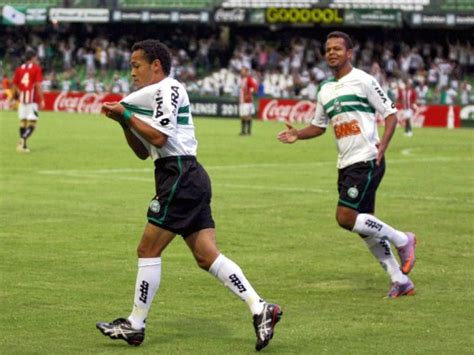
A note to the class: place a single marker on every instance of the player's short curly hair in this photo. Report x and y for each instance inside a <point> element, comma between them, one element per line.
<point>153,50</point>
<point>338,34</point>
<point>30,54</point>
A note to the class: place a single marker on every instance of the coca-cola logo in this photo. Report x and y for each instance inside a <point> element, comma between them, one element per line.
<point>84,103</point>
<point>229,15</point>
<point>298,111</point>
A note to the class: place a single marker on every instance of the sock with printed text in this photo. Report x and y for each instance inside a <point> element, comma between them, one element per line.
<point>230,274</point>
<point>371,226</point>
<point>148,282</point>
<point>380,248</point>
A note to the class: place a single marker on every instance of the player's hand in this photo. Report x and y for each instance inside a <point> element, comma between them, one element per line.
<point>289,136</point>
<point>113,110</point>
<point>380,153</point>
<point>41,104</point>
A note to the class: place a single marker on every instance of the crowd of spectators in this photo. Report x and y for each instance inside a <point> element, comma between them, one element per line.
<point>91,59</point>
<point>439,73</point>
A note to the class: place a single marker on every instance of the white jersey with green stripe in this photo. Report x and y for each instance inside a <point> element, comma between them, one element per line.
<point>350,104</point>
<point>165,107</point>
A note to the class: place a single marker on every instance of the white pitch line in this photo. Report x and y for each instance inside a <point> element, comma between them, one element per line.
<point>73,172</point>
<point>272,188</point>
<point>98,174</point>
<point>330,191</point>
<point>97,171</point>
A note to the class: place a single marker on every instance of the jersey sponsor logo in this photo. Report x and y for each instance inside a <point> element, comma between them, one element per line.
<point>159,104</point>
<point>144,286</point>
<point>174,98</point>
<point>237,283</point>
<point>353,192</point>
<point>379,91</point>
<point>164,121</point>
<point>347,129</point>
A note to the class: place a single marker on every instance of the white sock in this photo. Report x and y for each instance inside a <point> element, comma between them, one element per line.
<point>148,282</point>
<point>371,226</point>
<point>380,248</point>
<point>230,274</point>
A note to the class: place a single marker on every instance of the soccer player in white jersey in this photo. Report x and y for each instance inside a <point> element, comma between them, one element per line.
<point>158,123</point>
<point>349,102</point>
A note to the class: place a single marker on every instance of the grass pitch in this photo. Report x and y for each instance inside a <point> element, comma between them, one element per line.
<point>72,212</point>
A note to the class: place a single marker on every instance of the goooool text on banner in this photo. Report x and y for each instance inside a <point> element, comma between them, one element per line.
<point>276,15</point>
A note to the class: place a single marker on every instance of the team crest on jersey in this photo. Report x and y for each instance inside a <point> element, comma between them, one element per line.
<point>353,192</point>
<point>337,106</point>
<point>155,206</point>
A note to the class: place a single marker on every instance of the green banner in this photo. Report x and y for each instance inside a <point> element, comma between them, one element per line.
<point>386,18</point>
<point>21,15</point>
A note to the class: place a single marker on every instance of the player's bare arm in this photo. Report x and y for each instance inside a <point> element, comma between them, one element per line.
<point>292,134</point>
<point>133,142</point>
<point>116,111</point>
<point>390,125</point>
<point>39,90</point>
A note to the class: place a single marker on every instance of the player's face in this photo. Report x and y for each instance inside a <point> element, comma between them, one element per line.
<point>337,55</point>
<point>143,72</point>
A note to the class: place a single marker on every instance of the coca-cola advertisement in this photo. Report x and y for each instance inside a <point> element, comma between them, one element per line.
<point>437,116</point>
<point>281,110</point>
<point>223,15</point>
<point>302,111</point>
<point>77,101</point>
<point>286,110</point>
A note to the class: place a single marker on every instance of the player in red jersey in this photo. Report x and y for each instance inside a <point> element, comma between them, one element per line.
<point>407,104</point>
<point>248,86</point>
<point>27,89</point>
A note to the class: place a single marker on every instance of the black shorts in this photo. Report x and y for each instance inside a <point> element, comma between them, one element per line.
<point>182,203</point>
<point>358,183</point>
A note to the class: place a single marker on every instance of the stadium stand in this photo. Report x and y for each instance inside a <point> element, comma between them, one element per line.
<point>207,57</point>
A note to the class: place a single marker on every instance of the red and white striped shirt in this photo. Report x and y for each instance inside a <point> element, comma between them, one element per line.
<point>407,98</point>
<point>248,86</point>
<point>27,76</point>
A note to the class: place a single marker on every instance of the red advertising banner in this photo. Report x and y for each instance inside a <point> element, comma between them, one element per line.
<point>286,110</point>
<point>77,101</point>
<point>437,116</point>
<point>303,110</point>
